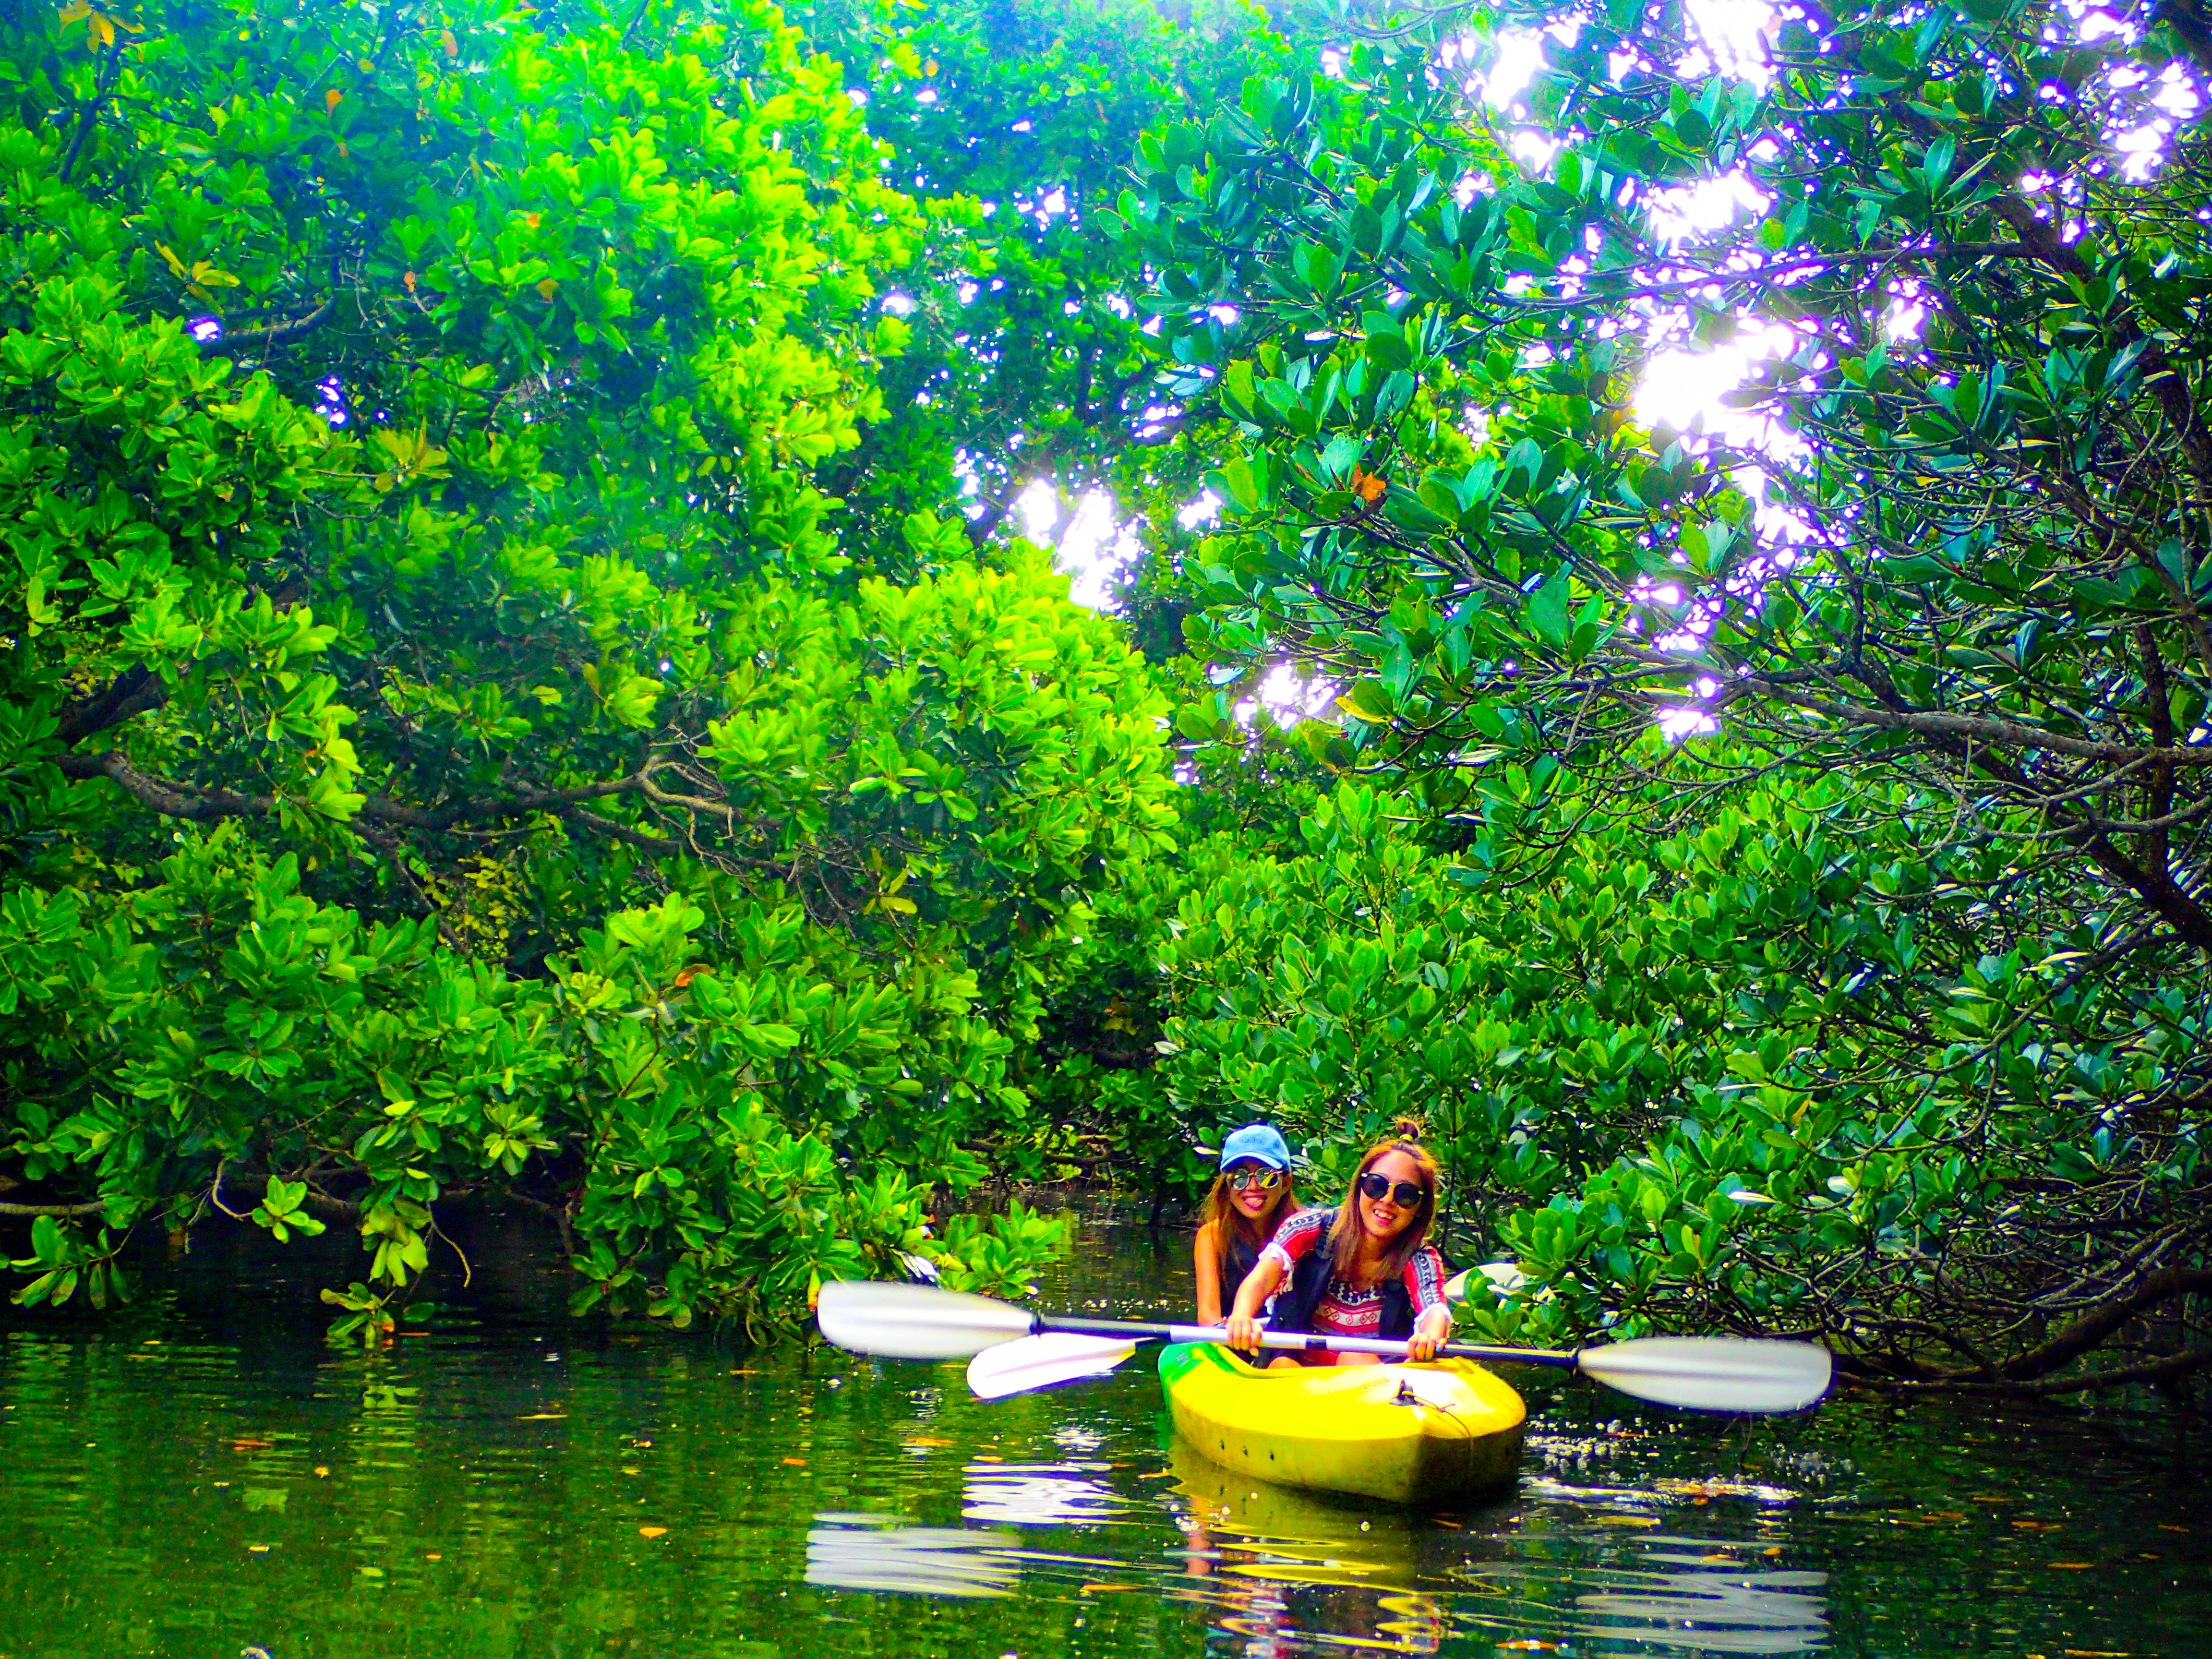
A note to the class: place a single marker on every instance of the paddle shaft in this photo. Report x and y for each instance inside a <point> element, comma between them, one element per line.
<point>1299,1341</point>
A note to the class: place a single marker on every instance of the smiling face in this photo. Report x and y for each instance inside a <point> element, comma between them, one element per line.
<point>1250,1198</point>
<point>1384,1218</point>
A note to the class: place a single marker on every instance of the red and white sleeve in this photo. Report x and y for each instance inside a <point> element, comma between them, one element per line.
<point>1296,1238</point>
<point>1424,1279</point>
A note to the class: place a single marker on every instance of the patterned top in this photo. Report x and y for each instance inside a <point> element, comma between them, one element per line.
<point>1343,1310</point>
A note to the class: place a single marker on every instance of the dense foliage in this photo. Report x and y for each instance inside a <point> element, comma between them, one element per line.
<point>450,751</point>
<point>1932,571</point>
<point>522,686</point>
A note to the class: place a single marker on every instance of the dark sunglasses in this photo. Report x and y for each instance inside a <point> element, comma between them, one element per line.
<point>1265,1179</point>
<point>1378,1188</point>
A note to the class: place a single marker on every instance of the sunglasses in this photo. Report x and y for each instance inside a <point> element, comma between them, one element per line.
<point>1265,1179</point>
<point>1378,1188</point>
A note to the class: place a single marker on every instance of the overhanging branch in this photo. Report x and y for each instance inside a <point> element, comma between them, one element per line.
<point>203,804</point>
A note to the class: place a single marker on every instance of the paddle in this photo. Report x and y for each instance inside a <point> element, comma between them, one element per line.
<point>1501,1276</point>
<point>920,1321</point>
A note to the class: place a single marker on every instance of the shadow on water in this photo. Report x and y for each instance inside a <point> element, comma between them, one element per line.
<point>204,1476</point>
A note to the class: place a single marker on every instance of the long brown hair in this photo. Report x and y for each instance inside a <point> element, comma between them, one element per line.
<point>1346,1232</point>
<point>1229,1222</point>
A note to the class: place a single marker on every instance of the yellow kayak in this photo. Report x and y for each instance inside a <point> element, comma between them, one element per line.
<point>1418,1435</point>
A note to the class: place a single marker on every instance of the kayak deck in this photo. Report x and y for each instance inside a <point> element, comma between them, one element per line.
<point>1406,1434</point>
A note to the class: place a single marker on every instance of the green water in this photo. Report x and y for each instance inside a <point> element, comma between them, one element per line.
<point>202,1477</point>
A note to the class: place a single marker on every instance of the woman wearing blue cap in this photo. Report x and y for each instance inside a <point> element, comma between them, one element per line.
<point>1250,1198</point>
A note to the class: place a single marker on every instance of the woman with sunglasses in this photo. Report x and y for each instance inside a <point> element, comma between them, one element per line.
<point>1250,1198</point>
<point>1366,1269</point>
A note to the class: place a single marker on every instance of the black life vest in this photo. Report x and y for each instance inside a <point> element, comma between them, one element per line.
<point>1238,1257</point>
<point>1309,1283</point>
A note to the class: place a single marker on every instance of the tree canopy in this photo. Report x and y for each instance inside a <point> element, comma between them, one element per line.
<point>1930,573</point>
<point>452,744</point>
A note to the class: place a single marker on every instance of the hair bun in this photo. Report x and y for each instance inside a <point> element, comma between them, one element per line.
<point>1407,1127</point>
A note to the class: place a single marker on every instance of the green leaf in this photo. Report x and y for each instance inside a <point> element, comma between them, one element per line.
<point>1545,610</point>
<point>1367,701</point>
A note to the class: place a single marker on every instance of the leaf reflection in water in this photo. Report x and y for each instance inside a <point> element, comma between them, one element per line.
<point>1707,1608</point>
<point>876,1552</point>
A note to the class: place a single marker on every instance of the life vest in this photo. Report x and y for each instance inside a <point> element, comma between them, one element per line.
<point>1308,1282</point>
<point>1237,1259</point>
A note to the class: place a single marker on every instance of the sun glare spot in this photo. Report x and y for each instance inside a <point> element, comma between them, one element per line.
<point>2095,25</point>
<point>1682,212</point>
<point>1681,723</point>
<point>1683,390</point>
<point>1907,312</point>
<point>1735,35</point>
<point>1089,543</point>
<point>1535,148</point>
<point>1520,56</point>
<point>2141,149</point>
<point>1288,696</point>
<point>1205,510</point>
<point>2176,94</point>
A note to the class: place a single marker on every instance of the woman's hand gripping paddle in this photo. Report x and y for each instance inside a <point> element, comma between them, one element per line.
<point>1015,1351</point>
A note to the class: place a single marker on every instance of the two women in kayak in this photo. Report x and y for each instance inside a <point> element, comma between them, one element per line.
<point>1364,1269</point>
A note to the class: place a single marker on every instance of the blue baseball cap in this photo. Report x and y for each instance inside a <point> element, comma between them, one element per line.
<point>1259,1142</point>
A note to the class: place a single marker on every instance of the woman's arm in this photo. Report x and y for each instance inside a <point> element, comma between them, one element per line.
<point>1206,1264</point>
<point>1252,1296</point>
<point>1432,1315</point>
<point>1431,1330</point>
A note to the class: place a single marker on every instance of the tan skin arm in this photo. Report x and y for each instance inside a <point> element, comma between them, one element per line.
<point>1206,1263</point>
<point>1252,1296</point>
<point>1430,1331</point>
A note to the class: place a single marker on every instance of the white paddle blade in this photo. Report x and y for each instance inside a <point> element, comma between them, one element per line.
<point>1713,1373</point>
<point>914,1322</point>
<point>1039,1362</point>
<point>1493,1278</point>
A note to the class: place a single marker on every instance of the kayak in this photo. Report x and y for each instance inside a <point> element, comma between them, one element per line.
<point>1416,1435</point>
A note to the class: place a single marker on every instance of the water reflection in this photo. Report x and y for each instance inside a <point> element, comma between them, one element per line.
<point>1290,1572</point>
<point>870,1552</point>
<point>1283,1572</point>
<point>1710,1603</point>
<point>1279,1571</point>
<point>1264,1623</point>
<point>1236,1525</point>
<point>538,1489</point>
<point>1040,1494</point>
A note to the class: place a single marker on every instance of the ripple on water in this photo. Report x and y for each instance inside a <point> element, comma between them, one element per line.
<point>877,1553</point>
